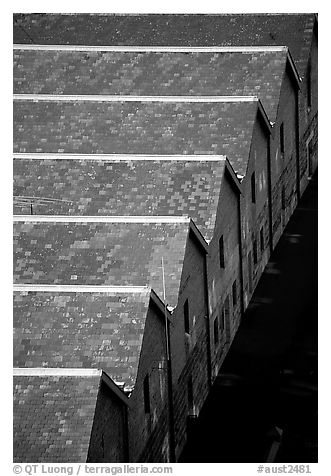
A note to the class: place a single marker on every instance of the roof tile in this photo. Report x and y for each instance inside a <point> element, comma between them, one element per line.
<point>136,128</point>
<point>49,412</point>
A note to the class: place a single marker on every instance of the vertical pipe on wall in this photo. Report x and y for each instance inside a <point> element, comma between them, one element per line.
<point>297,143</point>
<point>209,357</point>
<point>241,263</point>
<point>172,453</point>
<point>269,193</point>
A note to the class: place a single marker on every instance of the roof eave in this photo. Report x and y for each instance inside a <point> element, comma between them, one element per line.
<point>233,175</point>
<point>294,70</point>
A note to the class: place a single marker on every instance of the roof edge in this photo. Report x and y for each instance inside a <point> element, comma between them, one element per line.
<point>100,219</point>
<point>199,236</point>
<point>149,49</point>
<point>291,63</point>
<point>128,98</point>
<point>119,157</point>
<point>80,288</point>
<point>55,372</point>
<point>72,372</point>
<point>265,117</point>
<point>233,175</point>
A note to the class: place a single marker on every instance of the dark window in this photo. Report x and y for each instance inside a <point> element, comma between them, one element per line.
<point>250,272</point>
<point>262,240</point>
<point>222,323</point>
<point>253,187</point>
<point>309,98</point>
<point>282,139</point>
<point>190,397</point>
<point>147,401</point>
<point>186,317</point>
<point>255,251</point>
<point>226,318</point>
<point>221,252</point>
<point>234,293</point>
<point>216,336</point>
<point>283,198</point>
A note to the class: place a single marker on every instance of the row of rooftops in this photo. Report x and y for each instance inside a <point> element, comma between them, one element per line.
<point>43,252</point>
<point>166,185</point>
<point>187,30</point>
<point>173,75</point>
<point>65,329</point>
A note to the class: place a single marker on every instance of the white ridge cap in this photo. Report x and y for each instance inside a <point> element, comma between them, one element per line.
<point>56,372</point>
<point>76,288</point>
<point>120,157</point>
<point>99,219</point>
<point>120,98</point>
<point>152,49</point>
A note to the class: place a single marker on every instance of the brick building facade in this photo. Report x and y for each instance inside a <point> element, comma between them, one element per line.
<point>161,170</point>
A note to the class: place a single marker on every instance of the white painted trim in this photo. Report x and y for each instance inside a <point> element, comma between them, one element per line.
<point>99,219</point>
<point>69,288</point>
<point>120,157</point>
<point>152,49</point>
<point>118,98</point>
<point>56,372</point>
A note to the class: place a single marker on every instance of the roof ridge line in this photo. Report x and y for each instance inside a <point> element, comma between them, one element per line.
<point>55,371</point>
<point>128,98</point>
<point>101,219</point>
<point>81,288</point>
<point>152,49</point>
<point>122,157</point>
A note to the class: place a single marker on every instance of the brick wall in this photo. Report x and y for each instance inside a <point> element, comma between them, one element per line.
<point>284,162</point>
<point>190,349</point>
<point>221,279</point>
<point>255,216</point>
<point>308,118</point>
<point>109,432</point>
<point>152,363</point>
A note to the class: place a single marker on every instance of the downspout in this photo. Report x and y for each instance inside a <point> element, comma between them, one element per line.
<point>241,261</point>
<point>209,364</point>
<point>126,434</point>
<point>172,451</point>
<point>269,194</point>
<point>297,143</point>
<point>171,420</point>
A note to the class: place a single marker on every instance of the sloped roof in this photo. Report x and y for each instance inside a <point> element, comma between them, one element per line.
<point>72,250</point>
<point>159,126</point>
<point>53,417</point>
<point>128,185</point>
<point>292,30</point>
<point>79,328</point>
<point>248,73</point>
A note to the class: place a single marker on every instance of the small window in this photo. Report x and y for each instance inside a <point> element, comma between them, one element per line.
<point>253,187</point>
<point>283,199</point>
<point>221,252</point>
<point>255,251</point>
<point>147,401</point>
<point>234,293</point>
<point>262,240</point>
<point>216,335</point>
<point>186,317</point>
<point>190,396</point>
<point>282,139</point>
<point>309,95</point>
<point>222,322</point>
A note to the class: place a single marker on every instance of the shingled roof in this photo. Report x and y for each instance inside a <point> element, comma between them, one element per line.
<point>53,417</point>
<point>292,30</point>
<point>122,185</point>
<point>149,72</point>
<point>81,327</point>
<point>219,126</point>
<point>101,251</point>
